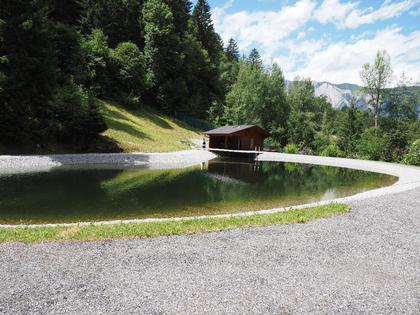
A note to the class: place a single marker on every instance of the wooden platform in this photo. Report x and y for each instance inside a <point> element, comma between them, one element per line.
<point>236,153</point>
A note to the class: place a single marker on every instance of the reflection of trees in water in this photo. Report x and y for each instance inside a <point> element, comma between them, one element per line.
<point>271,179</point>
<point>105,194</point>
<point>52,194</point>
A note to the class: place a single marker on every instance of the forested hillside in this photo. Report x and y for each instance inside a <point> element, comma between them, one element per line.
<point>60,60</point>
<point>58,57</point>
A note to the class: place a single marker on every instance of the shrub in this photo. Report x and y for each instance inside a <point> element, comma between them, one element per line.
<point>413,155</point>
<point>291,148</point>
<point>372,145</point>
<point>306,150</point>
<point>321,142</point>
<point>396,139</point>
<point>78,118</point>
<point>94,122</point>
<point>332,150</point>
<point>128,100</point>
<point>96,55</point>
<point>128,66</point>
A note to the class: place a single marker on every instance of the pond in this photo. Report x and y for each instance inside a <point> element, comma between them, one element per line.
<point>103,192</point>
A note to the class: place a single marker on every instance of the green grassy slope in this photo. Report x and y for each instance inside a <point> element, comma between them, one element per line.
<point>145,130</point>
<point>129,130</point>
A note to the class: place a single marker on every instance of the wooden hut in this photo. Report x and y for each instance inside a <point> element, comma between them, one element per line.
<point>242,137</point>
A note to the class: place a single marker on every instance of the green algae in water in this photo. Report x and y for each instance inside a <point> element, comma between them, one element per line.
<point>219,186</point>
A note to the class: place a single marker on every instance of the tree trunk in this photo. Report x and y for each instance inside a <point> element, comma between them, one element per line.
<point>377,109</point>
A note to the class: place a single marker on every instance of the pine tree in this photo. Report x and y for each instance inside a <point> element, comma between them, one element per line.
<point>302,124</point>
<point>275,113</point>
<point>30,71</point>
<point>212,44</point>
<point>206,34</point>
<point>3,58</point>
<point>181,15</point>
<point>120,20</point>
<point>232,50</point>
<point>229,66</point>
<point>67,12</point>
<point>163,55</point>
<point>254,58</point>
<point>94,122</point>
<point>349,129</point>
<point>197,72</point>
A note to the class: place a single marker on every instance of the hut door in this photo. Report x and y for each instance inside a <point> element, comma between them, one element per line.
<point>252,143</point>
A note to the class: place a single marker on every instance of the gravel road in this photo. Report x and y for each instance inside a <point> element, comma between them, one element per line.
<point>367,261</point>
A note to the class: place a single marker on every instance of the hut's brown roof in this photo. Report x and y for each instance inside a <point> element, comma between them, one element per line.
<point>228,130</point>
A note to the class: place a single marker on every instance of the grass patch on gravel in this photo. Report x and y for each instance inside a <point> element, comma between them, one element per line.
<point>153,229</point>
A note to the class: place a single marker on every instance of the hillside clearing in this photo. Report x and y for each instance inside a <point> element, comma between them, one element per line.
<point>145,130</point>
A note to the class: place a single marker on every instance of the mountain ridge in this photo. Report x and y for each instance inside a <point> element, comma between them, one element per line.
<point>339,95</point>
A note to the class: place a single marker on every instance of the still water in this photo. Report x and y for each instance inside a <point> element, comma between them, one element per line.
<point>219,186</point>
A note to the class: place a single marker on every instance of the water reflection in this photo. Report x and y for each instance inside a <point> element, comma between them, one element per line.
<point>102,193</point>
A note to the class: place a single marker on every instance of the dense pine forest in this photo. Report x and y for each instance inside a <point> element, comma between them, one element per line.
<point>59,58</point>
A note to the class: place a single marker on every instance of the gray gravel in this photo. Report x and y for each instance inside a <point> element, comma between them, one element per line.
<point>14,164</point>
<point>367,261</point>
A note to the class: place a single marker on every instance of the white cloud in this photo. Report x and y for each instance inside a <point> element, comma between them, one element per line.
<point>333,11</point>
<point>386,11</point>
<point>307,47</point>
<point>341,62</point>
<point>415,12</point>
<point>287,63</point>
<point>284,37</point>
<point>349,14</point>
<point>218,12</point>
<point>300,35</point>
<point>263,28</point>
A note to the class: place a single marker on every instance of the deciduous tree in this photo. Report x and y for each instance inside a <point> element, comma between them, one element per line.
<point>375,78</point>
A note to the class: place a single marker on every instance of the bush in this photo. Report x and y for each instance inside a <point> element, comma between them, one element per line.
<point>128,66</point>
<point>96,52</point>
<point>129,101</point>
<point>78,118</point>
<point>396,139</point>
<point>291,148</point>
<point>306,150</point>
<point>332,150</point>
<point>413,155</point>
<point>94,122</point>
<point>271,144</point>
<point>372,145</point>
<point>321,142</point>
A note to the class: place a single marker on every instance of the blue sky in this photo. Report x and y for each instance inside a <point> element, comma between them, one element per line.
<point>326,40</point>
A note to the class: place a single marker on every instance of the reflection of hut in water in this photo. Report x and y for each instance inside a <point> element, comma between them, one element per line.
<point>246,172</point>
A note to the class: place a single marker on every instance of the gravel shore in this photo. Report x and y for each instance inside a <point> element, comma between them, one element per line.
<point>367,261</point>
<point>11,164</point>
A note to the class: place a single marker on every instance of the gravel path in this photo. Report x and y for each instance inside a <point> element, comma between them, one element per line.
<point>367,261</point>
<point>12,164</point>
